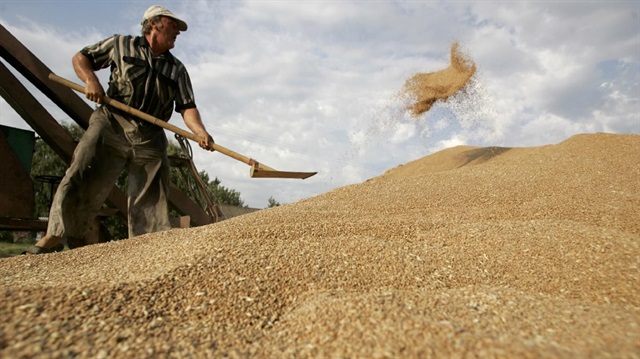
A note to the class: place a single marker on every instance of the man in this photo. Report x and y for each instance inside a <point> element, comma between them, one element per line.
<point>145,76</point>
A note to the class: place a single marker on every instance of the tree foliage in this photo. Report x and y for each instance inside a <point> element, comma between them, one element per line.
<point>182,176</point>
<point>47,163</point>
<point>273,203</point>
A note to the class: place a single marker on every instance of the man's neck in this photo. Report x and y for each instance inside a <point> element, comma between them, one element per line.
<point>156,49</point>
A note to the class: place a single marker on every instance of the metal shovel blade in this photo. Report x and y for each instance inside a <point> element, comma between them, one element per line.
<point>261,173</point>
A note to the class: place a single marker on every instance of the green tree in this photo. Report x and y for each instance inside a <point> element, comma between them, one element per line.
<point>222,194</point>
<point>182,177</point>
<point>46,165</point>
<point>273,202</point>
<point>6,236</point>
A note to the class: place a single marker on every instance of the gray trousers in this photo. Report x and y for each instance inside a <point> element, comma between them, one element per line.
<point>110,145</point>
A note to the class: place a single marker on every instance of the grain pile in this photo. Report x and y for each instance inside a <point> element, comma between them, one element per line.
<point>427,88</point>
<point>469,252</point>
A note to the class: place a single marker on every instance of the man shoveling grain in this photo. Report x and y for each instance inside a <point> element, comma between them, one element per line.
<point>145,76</point>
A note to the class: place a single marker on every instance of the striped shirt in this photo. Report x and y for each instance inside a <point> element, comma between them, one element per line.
<point>151,84</point>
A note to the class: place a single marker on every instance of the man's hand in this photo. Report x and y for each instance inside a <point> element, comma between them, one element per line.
<point>82,66</point>
<point>94,91</point>
<point>206,142</point>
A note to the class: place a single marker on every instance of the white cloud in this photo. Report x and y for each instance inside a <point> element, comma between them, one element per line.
<point>454,141</point>
<point>551,128</point>
<point>541,61</point>
<point>403,132</point>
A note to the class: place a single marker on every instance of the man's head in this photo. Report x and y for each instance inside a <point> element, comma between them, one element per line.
<point>153,15</point>
<point>161,27</point>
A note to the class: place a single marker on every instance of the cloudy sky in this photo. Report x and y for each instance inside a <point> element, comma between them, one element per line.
<point>316,85</point>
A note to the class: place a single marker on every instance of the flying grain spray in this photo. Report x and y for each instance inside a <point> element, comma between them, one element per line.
<point>427,88</point>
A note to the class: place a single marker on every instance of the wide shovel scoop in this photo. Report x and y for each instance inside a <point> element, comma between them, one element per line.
<point>258,170</point>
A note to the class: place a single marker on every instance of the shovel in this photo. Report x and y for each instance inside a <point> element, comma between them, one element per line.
<point>258,170</point>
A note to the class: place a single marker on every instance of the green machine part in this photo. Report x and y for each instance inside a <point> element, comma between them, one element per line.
<point>22,143</point>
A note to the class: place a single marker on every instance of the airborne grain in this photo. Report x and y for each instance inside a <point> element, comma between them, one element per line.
<point>427,88</point>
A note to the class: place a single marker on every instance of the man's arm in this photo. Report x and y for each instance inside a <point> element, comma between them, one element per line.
<point>191,117</point>
<point>82,66</point>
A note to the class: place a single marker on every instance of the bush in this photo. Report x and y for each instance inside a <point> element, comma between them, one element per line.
<point>6,236</point>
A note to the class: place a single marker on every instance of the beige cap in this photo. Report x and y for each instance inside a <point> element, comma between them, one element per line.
<point>157,10</point>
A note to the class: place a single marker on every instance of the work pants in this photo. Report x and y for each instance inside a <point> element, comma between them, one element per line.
<point>111,144</point>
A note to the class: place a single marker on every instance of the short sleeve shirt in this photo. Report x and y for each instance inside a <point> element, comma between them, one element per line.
<point>151,84</point>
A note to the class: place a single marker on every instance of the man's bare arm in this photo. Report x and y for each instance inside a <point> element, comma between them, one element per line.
<point>82,66</point>
<point>192,119</point>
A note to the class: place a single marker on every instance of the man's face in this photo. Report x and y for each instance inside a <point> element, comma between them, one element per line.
<point>167,32</point>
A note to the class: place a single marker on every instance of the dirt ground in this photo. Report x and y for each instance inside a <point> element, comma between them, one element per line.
<point>469,252</point>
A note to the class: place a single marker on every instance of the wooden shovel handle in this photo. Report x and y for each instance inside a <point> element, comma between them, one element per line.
<point>158,122</point>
